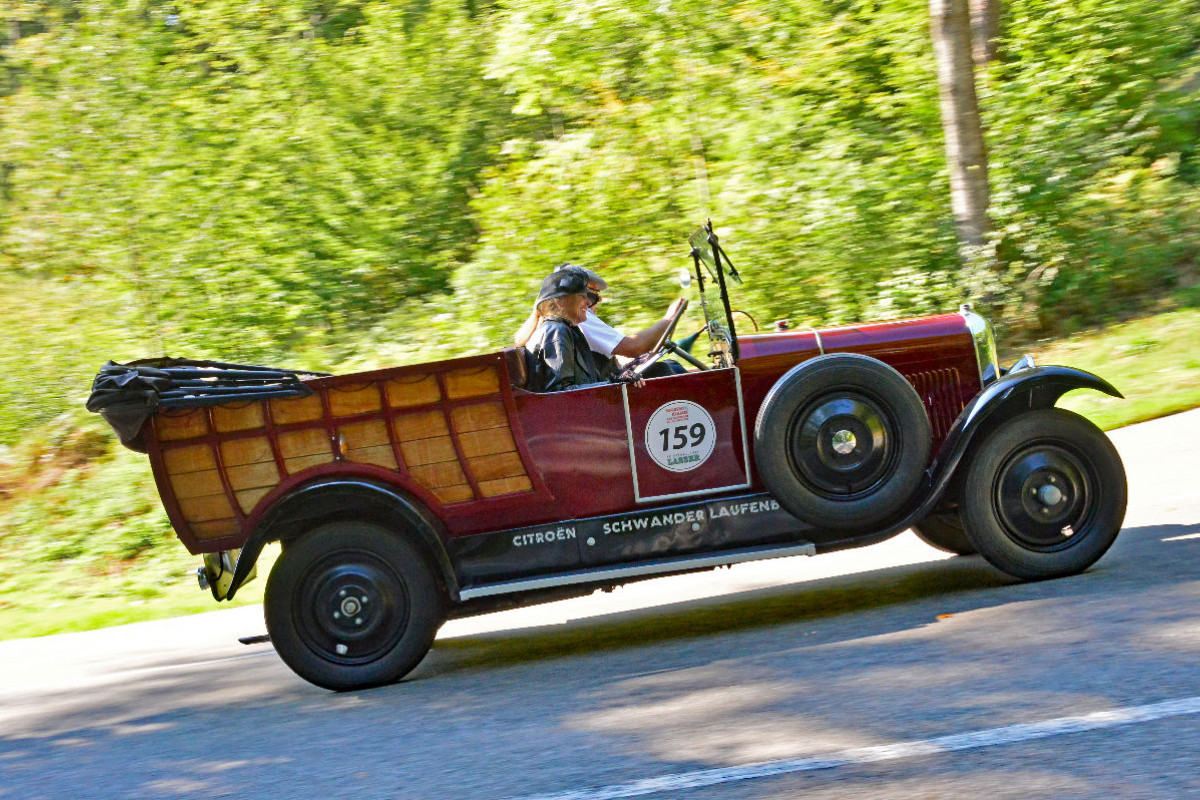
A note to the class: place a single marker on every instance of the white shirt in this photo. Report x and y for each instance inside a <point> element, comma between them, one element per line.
<point>601,337</point>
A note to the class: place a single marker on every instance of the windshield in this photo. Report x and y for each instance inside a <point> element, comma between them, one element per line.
<point>700,244</point>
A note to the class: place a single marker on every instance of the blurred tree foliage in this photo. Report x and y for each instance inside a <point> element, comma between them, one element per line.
<point>337,184</point>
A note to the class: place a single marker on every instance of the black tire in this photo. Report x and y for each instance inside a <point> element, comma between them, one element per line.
<point>1044,495</point>
<point>350,605</point>
<point>842,442</point>
<point>945,532</point>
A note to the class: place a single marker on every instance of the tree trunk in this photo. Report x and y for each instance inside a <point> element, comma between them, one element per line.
<point>985,28</point>
<point>965,152</point>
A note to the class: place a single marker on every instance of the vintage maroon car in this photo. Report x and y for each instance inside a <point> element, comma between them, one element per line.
<point>405,496</point>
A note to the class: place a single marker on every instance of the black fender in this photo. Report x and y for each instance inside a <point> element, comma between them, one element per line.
<point>364,499</point>
<point>1017,392</point>
<point>1021,389</point>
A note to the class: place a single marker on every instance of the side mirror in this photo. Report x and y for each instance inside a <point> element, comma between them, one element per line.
<point>685,278</point>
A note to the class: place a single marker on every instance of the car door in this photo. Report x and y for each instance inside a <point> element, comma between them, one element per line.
<point>686,439</point>
<point>686,436</point>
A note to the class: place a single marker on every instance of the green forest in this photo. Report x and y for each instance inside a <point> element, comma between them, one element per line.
<point>344,185</point>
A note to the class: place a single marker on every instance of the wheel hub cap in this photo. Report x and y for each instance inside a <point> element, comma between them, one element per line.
<point>844,442</point>
<point>1042,496</point>
<point>1050,495</point>
<point>842,445</point>
<point>347,607</point>
<point>357,610</point>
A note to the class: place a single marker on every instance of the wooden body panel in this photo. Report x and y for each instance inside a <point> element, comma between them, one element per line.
<point>442,432</point>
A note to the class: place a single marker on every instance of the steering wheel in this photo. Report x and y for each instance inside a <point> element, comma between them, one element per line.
<point>639,365</point>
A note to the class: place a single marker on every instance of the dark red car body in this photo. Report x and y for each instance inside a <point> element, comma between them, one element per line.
<point>575,449</point>
<point>406,495</point>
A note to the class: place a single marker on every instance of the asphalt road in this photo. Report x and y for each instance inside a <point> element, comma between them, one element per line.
<point>887,672</point>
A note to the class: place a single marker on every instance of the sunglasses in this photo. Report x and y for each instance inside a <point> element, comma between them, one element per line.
<point>592,298</point>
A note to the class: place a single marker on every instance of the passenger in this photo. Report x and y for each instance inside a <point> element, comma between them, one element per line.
<point>606,341</point>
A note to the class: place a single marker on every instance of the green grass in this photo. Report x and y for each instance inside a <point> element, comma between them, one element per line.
<point>53,608</point>
<point>87,545</point>
<point>1154,362</point>
<point>39,598</point>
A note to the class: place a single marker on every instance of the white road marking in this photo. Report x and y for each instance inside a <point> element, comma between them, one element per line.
<point>1183,538</point>
<point>972,740</point>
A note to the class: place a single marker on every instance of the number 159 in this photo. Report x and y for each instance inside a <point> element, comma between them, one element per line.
<point>677,438</point>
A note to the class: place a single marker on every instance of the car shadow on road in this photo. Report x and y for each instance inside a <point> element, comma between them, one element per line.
<point>893,599</point>
<point>172,726</point>
<point>229,729</point>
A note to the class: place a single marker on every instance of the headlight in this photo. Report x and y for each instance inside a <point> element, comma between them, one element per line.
<point>985,344</point>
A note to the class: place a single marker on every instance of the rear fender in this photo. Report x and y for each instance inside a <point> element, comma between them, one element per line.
<point>315,503</point>
<point>1021,390</point>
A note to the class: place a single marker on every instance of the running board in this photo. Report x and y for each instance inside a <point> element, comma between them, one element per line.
<point>660,566</point>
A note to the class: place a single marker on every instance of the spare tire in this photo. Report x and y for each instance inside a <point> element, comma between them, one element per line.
<point>842,442</point>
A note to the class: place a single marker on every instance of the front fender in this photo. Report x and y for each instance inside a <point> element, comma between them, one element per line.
<point>1022,389</point>
<point>342,498</point>
<point>1017,392</point>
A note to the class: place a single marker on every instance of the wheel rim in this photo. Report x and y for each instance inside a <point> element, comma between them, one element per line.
<point>354,607</point>
<point>843,445</point>
<point>1043,496</point>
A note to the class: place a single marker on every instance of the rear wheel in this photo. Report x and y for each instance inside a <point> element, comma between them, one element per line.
<point>842,442</point>
<point>1044,495</point>
<point>945,532</point>
<point>351,605</point>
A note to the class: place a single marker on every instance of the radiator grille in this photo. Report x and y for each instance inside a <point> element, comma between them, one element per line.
<point>939,390</point>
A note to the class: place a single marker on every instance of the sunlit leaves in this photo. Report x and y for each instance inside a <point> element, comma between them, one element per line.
<point>341,184</point>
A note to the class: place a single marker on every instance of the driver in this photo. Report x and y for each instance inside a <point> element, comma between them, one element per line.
<point>606,341</point>
<point>564,359</point>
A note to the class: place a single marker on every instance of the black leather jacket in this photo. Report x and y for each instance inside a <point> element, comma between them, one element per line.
<point>564,359</point>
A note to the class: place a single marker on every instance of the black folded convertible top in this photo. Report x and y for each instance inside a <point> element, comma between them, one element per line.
<point>126,395</point>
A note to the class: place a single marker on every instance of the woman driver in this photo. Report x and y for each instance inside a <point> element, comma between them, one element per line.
<point>605,341</point>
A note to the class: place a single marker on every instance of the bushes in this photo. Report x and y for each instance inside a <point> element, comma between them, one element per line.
<point>389,184</point>
<point>392,184</point>
<point>1093,127</point>
<point>211,182</point>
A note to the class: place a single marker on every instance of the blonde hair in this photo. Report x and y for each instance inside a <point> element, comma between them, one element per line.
<point>554,307</point>
<point>527,328</point>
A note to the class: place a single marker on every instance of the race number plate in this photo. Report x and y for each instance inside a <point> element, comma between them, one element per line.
<point>680,436</point>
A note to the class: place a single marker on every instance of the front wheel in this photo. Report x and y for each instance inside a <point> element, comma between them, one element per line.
<point>351,605</point>
<point>1044,495</point>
